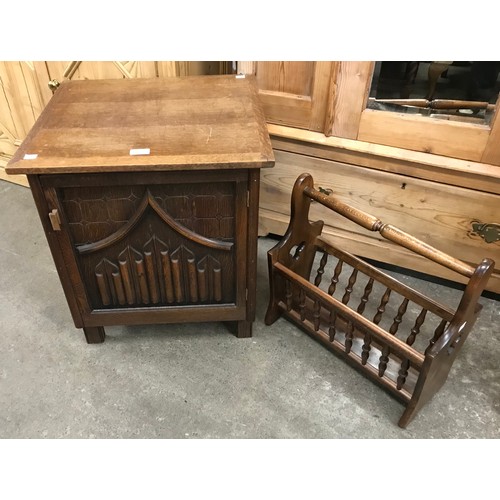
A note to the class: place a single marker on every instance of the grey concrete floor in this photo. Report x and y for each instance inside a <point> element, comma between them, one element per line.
<point>198,380</point>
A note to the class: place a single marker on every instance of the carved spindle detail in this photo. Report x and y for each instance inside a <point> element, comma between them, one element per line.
<point>335,277</point>
<point>103,289</point>
<point>154,249</point>
<point>167,276</point>
<point>202,284</point>
<point>416,328</point>
<point>399,317</point>
<point>350,285</point>
<point>316,314</point>
<point>366,295</point>
<point>349,336</point>
<point>143,285</point>
<point>381,307</point>
<point>365,354</point>
<point>158,276</point>
<point>332,330</point>
<point>217,284</point>
<point>192,280</point>
<point>321,269</point>
<point>383,360</point>
<point>120,293</point>
<point>302,304</point>
<point>180,263</point>
<point>403,373</point>
<point>104,273</point>
<point>209,274</point>
<point>127,282</point>
<point>128,271</point>
<point>177,277</point>
<point>151,275</point>
<point>288,295</point>
<point>437,333</point>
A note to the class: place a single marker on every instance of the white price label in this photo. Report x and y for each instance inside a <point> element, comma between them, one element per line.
<point>140,151</point>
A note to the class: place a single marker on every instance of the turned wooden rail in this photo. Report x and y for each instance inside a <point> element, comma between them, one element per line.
<point>390,233</point>
<point>397,336</point>
<point>437,103</point>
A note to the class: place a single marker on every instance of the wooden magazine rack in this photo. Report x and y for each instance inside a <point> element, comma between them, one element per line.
<point>394,334</point>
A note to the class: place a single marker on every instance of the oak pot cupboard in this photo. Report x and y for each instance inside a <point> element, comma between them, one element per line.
<point>148,193</point>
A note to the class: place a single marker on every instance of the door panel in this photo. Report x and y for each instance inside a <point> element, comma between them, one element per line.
<point>168,241</point>
<point>420,133</point>
<point>352,83</point>
<point>331,97</point>
<point>154,264</point>
<point>491,152</point>
<point>294,93</point>
<point>286,76</point>
<point>22,99</point>
<point>351,119</point>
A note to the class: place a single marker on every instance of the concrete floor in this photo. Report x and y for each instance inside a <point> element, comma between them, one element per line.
<point>197,380</point>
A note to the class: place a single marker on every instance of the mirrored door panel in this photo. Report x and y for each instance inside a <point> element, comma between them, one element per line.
<point>464,91</point>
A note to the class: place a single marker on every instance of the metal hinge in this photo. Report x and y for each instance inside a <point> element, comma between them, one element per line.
<point>55,220</point>
<point>248,198</point>
<point>490,232</point>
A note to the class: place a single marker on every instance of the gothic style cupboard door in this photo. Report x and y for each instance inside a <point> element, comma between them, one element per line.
<point>139,243</point>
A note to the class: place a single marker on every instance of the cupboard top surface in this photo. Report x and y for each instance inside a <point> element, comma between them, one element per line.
<point>148,124</point>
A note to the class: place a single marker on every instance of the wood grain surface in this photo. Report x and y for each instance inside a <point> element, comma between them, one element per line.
<point>491,152</point>
<point>422,133</point>
<point>472,175</point>
<point>91,126</point>
<point>348,98</point>
<point>294,93</point>
<point>426,209</point>
<point>293,77</point>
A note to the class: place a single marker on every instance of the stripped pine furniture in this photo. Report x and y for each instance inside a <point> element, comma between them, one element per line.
<point>147,190</point>
<point>395,335</point>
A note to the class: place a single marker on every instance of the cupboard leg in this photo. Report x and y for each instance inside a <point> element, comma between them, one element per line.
<point>94,334</point>
<point>244,329</point>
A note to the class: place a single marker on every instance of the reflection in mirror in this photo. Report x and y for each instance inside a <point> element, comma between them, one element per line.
<point>449,90</point>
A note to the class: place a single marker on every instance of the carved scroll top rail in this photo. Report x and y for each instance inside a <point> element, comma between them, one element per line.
<point>149,201</point>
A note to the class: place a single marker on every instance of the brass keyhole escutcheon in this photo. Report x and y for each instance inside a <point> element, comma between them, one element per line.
<point>53,85</point>
<point>326,191</point>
